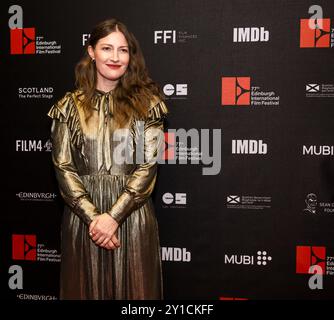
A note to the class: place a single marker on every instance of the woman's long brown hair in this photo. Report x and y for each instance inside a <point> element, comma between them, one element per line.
<point>134,91</point>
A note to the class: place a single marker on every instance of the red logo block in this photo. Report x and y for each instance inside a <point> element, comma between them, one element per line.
<point>236,91</point>
<point>307,256</point>
<point>169,150</point>
<point>24,247</point>
<point>22,41</point>
<point>314,37</point>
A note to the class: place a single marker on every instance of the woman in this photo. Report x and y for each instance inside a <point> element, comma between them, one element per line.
<point>110,241</point>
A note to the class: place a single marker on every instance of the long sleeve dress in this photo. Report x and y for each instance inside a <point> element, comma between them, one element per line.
<point>91,183</point>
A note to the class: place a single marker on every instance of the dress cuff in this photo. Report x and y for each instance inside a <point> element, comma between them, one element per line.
<point>85,209</point>
<point>122,207</point>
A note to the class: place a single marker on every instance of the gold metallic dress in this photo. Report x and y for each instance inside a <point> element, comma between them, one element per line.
<point>92,183</point>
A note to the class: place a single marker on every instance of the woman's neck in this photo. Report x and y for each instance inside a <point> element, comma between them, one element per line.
<point>106,85</point>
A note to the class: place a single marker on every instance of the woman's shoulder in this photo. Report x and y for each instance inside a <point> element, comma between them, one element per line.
<point>157,108</point>
<point>65,106</point>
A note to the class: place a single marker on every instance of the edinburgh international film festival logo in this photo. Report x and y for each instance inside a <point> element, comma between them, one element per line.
<point>316,32</point>
<point>26,247</point>
<point>239,91</point>
<point>314,257</point>
<point>24,40</point>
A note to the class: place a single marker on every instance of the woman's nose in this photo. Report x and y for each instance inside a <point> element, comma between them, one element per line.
<point>114,56</point>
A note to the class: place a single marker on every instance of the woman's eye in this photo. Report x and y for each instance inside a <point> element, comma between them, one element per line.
<point>106,48</point>
<point>124,50</point>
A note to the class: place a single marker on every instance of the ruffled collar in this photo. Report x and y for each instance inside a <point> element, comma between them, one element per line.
<point>101,97</point>
<point>103,93</point>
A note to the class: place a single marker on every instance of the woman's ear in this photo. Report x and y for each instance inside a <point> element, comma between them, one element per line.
<point>91,53</point>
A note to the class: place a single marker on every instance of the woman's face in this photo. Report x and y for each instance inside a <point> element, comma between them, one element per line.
<point>112,57</point>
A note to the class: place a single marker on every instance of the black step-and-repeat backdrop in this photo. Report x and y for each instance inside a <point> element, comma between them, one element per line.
<point>245,204</point>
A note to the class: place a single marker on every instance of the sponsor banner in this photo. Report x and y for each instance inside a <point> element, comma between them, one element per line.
<point>314,256</point>
<point>35,93</point>
<point>33,145</point>
<point>173,36</point>
<point>261,258</point>
<point>177,200</point>
<point>319,90</point>
<point>248,202</point>
<point>316,33</point>
<point>240,91</point>
<point>313,206</point>
<point>36,196</point>
<point>25,247</point>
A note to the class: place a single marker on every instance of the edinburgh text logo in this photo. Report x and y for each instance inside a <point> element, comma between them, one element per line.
<point>36,196</point>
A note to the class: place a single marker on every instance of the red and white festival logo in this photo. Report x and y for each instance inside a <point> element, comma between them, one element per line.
<point>314,33</point>
<point>22,41</point>
<point>169,150</point>
<point>307,256</point>
<point>24,247</point>
<point>235,91</point>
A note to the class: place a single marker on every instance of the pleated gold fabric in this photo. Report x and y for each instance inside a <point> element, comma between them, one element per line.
<point>91,183</point>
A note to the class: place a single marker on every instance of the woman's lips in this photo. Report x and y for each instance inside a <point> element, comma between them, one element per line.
<point>114,66</point>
